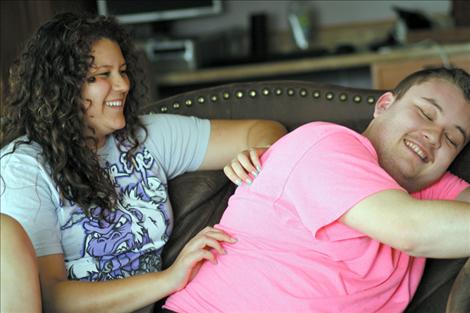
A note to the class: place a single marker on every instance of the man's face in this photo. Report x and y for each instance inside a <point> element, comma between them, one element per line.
<point>418,136</point>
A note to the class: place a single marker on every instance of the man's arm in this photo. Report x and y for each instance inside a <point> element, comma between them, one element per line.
<point>438,229</point>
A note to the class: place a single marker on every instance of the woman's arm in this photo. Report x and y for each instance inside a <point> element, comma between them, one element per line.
<point>239,142</point>
<point>20,290</point>
<point>128,294</point>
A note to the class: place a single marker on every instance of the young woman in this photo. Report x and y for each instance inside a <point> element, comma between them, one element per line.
<point>86,176</point>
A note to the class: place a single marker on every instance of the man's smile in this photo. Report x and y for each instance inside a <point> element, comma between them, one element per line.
<point>419,151</point>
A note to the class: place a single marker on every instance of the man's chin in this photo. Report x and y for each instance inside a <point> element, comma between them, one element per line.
<point>411,187</point>
<point>410,184</point>
<point>414,185</point>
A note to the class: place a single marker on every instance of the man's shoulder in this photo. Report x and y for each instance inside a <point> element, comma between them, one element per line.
<point>323,141</point>
<point>324,129</point>
<point>327,134</point>
<point>448,187</point>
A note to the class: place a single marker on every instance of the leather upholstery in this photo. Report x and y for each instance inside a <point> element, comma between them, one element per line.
<point>200,198</point>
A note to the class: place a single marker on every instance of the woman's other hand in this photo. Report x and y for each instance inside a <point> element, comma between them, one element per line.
<point>205,246</point>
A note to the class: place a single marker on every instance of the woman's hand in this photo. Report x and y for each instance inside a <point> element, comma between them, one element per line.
<point>245,163</point>
<point>204,246</point>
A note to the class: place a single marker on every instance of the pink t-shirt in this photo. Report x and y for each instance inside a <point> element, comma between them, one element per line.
<point>292,254</point>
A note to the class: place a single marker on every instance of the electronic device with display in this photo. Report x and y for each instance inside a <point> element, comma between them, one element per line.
<point>142,11</point>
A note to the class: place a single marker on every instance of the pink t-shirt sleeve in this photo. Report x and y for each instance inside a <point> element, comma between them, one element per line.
<point>336,173</point>
<point>447,188</point>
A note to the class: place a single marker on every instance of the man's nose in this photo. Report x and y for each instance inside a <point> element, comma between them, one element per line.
<point>434,135</point>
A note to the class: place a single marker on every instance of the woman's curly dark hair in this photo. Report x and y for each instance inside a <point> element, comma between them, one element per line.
<point>45,103</point>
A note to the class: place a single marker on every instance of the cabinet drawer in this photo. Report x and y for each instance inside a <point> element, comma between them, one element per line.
<point>386,75</point>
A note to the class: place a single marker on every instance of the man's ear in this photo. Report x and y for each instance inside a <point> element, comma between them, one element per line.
<point>383,103</point>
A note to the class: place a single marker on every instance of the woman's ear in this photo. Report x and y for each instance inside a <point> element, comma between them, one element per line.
<point>383,103</point>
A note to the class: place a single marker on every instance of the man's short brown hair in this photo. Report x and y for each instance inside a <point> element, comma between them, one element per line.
<point>456,76</point>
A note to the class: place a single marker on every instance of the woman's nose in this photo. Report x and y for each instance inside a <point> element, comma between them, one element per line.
<point>121,83</point>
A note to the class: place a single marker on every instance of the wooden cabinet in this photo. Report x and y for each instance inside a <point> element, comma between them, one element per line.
<point>381,70</point>
<point>386,74</point>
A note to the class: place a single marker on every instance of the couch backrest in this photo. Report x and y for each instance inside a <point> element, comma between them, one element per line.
<point>292,103</point>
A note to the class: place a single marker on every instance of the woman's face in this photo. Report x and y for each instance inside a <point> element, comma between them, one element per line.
<point>105,90</point>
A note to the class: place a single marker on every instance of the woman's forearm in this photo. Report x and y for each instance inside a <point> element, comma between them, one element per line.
<point>121,295</point>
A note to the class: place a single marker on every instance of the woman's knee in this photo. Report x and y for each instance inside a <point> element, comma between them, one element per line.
<point>19,269</point>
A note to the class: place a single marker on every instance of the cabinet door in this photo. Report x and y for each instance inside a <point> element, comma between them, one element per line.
<point>386,75</point>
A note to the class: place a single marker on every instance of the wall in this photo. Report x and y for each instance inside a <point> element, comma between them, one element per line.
<point>332,21</point>
<point>237,12</point>
<point>25,16</point>
<point>19,19</point>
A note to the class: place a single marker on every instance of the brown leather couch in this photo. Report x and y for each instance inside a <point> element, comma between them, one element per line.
<point>200,198</point>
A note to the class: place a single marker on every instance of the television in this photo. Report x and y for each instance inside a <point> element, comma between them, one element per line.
<point>142,11</point>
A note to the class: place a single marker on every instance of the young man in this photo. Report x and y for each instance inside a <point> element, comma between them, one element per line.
<point>341,222</point>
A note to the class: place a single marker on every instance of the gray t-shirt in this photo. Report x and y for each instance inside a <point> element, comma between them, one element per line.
<point>129,242</point>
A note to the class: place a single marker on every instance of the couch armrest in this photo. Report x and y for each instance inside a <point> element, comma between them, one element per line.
<point>434,288</point>
<point>459,299</point>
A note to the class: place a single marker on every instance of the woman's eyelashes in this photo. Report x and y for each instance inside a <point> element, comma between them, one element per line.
<point>92,78</point>
<point>103,74</point>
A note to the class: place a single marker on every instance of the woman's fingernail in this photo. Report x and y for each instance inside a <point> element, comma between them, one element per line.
<point>233,239</point>
<point>255,173</point>
<point>248,181</point>
<point>258,168</point>
<point>238,182</point>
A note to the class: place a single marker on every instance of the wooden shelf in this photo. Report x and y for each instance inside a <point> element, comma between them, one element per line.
<point>309,65</point>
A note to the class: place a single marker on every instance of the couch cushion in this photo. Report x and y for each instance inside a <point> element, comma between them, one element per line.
<point>459,299</point>
<point>198,199</point>
<point>461,165</point>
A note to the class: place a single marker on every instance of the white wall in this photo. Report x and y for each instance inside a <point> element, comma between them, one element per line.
<point>236,13</point>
